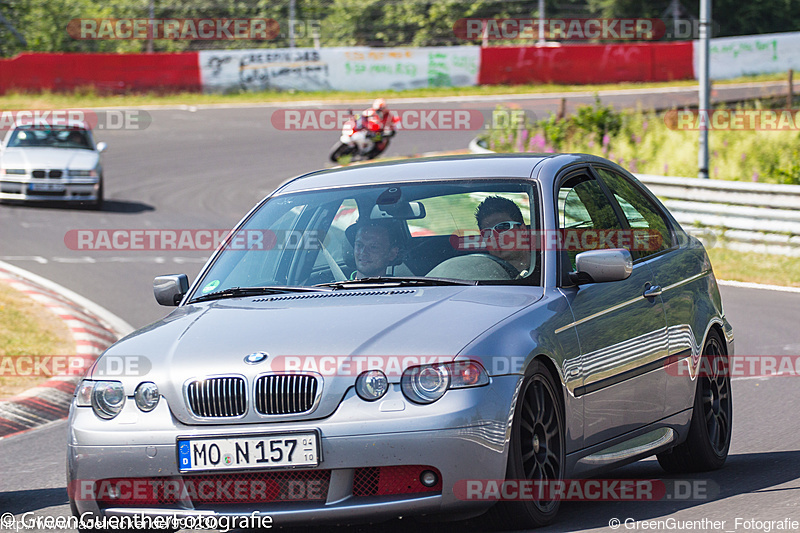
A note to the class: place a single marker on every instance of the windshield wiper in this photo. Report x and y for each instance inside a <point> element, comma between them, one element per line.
<point>399,282</point>
<point>238,292</point>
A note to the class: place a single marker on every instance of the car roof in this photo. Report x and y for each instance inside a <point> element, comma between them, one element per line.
<point>73,124</point>
<point>420,169</point>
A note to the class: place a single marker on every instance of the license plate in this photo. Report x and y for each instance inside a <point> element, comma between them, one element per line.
<point>261,451</point>
<point>57,187</point>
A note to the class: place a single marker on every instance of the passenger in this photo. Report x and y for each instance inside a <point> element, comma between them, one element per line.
<point>376,247</point>
<point>496,216</point>
<point>76,137</point>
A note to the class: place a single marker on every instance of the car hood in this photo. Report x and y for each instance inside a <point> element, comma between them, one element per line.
<point>394,326</point>
<point>46,158</point>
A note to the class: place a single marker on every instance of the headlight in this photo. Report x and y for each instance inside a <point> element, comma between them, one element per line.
<point>146,396</point>
<point>371,385</point>
<point>17,171</point>
<point>426,384</point>
<point>108,397</point>
<point>83,173</point>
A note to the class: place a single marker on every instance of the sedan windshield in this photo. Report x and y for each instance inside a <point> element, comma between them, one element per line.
<point>392,234</point>
<point>49,137</point>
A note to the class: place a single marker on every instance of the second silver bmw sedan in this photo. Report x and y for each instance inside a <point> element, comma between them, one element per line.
<point>45,162</point>
<point>379,340</point>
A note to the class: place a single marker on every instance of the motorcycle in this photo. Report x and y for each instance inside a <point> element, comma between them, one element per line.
<point>361,139</point>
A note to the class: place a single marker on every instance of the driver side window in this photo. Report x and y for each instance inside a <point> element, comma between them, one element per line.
<point>583,212</point>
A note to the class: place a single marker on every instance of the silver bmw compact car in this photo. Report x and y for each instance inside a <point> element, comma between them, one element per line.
<point>381,340</point>
<point>45,162</point>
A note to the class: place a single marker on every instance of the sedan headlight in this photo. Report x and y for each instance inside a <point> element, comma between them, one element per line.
<point>15,171</point>
<point>426,384</point>
<point>146,396</point>
<point>106,397</point>
<point>83,173</point>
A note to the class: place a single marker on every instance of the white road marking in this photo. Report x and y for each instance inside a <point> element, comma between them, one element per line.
<point>119,326</point>
<point>37,258</point>
<point>446,99</point>
<point>762,286</point>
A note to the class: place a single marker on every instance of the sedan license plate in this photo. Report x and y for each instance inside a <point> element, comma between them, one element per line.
<point>54,187</point>
<point>260,451</point>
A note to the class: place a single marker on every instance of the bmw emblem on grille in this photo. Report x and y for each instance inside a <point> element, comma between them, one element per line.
<point>256,357</point>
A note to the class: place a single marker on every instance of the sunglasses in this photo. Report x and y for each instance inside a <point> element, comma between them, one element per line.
<point>501,227</point>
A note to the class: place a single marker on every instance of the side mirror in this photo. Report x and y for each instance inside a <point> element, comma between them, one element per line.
<point>169,290</point>
<point>101,147</point>
<point>600,266</point>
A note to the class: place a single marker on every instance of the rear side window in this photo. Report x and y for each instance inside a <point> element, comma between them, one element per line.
<point>640,212</point>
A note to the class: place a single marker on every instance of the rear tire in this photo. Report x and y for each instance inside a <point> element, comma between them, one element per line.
<point>536,451</point>
<point>706,447</point>
<point>378,149</point>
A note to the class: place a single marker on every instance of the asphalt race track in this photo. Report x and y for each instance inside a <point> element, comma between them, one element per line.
<point>205,168</point>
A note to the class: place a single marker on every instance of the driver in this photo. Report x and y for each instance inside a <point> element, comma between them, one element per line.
<point>375,248</point>
<point>496,217</point>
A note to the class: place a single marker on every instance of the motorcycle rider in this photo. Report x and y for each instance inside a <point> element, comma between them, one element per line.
<point>380,121</point>
<point>366,135</point>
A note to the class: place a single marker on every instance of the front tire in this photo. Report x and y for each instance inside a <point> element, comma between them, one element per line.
<point>98,203</point>
<point>537,451</point>
<point>706,447</point>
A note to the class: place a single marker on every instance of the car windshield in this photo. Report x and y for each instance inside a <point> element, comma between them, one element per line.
<point>50,137</point>
<point>428,233</point>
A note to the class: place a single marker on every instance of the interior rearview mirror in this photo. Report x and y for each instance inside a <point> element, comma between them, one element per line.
<point>401,210</point>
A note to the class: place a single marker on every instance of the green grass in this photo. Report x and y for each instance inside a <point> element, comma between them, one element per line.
<point>26,329</point>
<point>756,268</point>
<point>644,143</point>
<point>90,98</point>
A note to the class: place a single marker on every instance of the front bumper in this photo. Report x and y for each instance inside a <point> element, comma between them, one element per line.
<point>49,189</point>
<point>463,436</point>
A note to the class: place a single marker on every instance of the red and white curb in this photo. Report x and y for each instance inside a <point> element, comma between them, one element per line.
<point>93,330</point>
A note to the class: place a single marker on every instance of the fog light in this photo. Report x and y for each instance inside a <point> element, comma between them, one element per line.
<point>428,478</point>
<point>146,396</point>
<point>371,385</point>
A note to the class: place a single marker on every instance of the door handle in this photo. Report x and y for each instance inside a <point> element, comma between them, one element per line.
<point>651,291</point>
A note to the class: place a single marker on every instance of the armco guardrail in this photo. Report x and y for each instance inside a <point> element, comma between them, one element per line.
<point>750,217</point>
<point>753,217</point>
